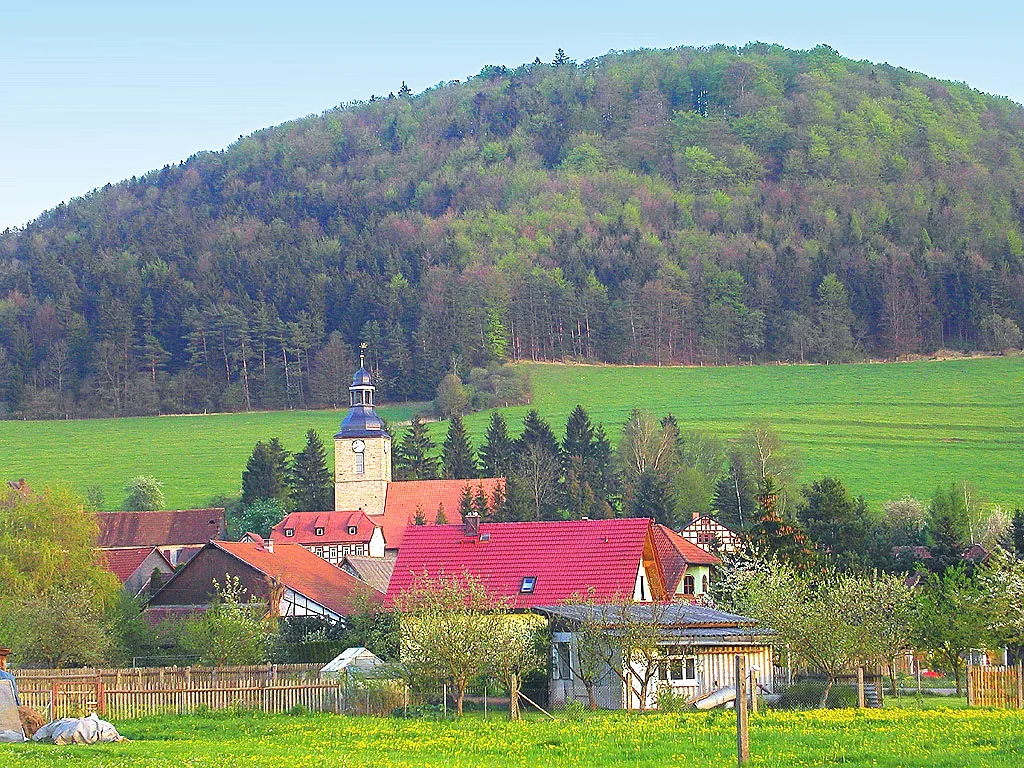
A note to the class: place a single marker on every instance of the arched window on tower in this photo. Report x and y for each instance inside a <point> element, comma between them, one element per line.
<point>688,585</point>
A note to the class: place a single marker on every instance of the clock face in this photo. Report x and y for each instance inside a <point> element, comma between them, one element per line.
<point>358,446</point>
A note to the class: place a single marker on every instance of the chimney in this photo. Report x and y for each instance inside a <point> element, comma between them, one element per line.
<point>696,515</point>
<point>472,523</point>
<point>270,546</point>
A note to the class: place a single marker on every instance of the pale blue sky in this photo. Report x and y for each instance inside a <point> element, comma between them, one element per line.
<point>94,92</point>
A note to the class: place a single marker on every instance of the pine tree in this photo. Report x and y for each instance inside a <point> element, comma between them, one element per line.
<point>834,520</point>
<point>414,459</point>
<point>266,473</point>
<point>579,438</point>
<point>498,452</point>
<point>441,518</point>
<point>466,501</point>
<point>537,432</point>
<point>457,460</point>
<point>405,91</point>
<point>420,518</point>
<point>312,488</point>
<point>771,535</point>
<point>480,503</point>
<point>653,498</point>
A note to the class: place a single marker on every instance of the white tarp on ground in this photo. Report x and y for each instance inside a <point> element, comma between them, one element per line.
<point>77,730</point>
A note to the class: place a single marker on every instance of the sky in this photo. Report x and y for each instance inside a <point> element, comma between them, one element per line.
<point>95,92</point>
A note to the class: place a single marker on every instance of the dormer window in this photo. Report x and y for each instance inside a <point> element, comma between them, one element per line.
<point>319,531</point>
<point>352,530</point>
<point>289,532</point>
<point>528,584</point>
<point>688,585</point>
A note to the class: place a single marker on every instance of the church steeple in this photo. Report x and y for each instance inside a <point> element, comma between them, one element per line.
<point>361,420</point>
<point>362,450</point>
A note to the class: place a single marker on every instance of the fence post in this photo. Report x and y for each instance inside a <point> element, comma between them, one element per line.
<point>753,691</point>
<point>444,699</point>
<point>970,687</point>
<point>742,726</point>
<point>861,703</point>
<point>1020,685</point>
<point>485,698</point>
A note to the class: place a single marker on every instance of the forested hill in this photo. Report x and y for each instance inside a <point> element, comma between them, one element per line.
<point>670,206</point>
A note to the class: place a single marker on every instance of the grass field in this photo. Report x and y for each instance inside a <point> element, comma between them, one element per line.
<point>898,738</point>
<point>886,430</point>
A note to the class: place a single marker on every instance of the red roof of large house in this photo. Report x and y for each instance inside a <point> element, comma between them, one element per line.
<point>160,529</point>
<point>124,562</point>
<point>300,570</point>
<point>405,497</point>
<point>675,553</point>
<point>335,527</point>
<point>584,558</point>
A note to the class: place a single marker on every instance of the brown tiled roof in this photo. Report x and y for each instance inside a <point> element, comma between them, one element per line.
<point>404,497</point>
<point>300,570</point>
<point>160,529</point>
<point>124,562</point>
<point>675,553</point>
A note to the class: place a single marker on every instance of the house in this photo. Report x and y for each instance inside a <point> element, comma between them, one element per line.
<point>134,567</point>
<point>362,474</point>
<point>709,534</point>
<point>331,535</point>
<point>686,567</point>
<point>178,534</point>
<point>696,652</point>
<point>538,563</point>
<point>288,578</point>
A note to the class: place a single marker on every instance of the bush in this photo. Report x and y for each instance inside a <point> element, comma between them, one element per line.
<point>670,700</point>
<point>807,694</point>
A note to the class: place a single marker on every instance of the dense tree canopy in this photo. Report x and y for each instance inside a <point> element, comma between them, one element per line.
<point>676,206</point>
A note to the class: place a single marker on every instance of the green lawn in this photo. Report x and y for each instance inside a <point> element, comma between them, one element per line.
<point>938,738</point>
<point>886,430</point>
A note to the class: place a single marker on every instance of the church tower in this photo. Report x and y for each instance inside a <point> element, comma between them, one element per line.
<point>362,451</point>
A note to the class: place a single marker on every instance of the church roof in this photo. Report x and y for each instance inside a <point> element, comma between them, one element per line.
<point>362,378</point>
<point>405,497</point>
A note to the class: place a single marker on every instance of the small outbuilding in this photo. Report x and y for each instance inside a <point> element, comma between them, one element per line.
<point>358,661</point>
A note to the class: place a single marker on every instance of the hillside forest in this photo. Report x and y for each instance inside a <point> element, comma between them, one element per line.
<point>683,206</point>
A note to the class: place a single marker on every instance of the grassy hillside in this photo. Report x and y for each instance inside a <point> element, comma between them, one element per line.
<point>885,429</point>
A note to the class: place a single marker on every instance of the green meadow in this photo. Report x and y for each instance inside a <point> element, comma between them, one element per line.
<point>938,738</point>
<point>887,430</point>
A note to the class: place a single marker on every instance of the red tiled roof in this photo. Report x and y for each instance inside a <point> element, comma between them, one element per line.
<point>404,497</point>
<point>335,525</point>
<point>570,557</point>
<point>300,570</point>
<point>160,529</point>
<point>124,562</point>
<point>675,553</point>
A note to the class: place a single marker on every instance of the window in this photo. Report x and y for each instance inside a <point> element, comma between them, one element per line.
<point>704,584</point>
<point>688,585</point>
<point>352,530</point>
<point>560,667</point>
<point>289,532</point>
<point>678,669</point>
<point>529,582</point>
<point>319,531</point>
<point>359,463</point>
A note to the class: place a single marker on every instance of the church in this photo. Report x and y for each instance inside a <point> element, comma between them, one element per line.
<point>372,511</point>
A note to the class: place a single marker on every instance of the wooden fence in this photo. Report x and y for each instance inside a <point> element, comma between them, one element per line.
<point>995,686</point>
<point>125,693</point>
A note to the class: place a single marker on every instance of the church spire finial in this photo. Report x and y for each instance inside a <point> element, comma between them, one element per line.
<point>362,354</point>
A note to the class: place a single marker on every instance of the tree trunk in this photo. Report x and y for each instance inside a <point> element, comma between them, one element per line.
<point>824,694</point>
<point>591,697</point>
